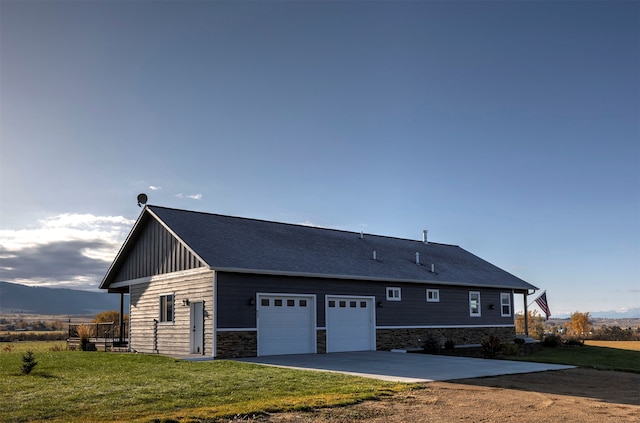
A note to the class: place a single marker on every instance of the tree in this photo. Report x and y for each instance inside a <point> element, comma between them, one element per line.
<point>28,362</point>
<point>536,324</point>
<point>580,323</point>
<point>109,316</point>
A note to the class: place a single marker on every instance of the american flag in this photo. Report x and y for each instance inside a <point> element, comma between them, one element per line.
<point>542,303</point>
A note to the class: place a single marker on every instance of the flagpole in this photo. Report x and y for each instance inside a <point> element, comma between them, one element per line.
<point>537,298</point>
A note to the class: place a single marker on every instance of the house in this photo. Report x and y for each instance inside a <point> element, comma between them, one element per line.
<point>224,286</point>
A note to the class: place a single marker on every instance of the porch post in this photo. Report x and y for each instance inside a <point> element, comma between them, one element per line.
<point>526,315</point>
<point>121,319</point>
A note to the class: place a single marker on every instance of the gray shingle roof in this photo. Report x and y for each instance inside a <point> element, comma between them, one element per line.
<point>250,245</point>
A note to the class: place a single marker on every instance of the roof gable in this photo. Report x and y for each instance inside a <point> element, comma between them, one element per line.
<point>226,243</point>
<point>150,249</point>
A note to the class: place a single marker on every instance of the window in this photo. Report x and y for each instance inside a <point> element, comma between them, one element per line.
<point>291,303</point>
<point>505,304</point>
<point>352,304</point>
<point>433,295</point>
<point>166,308</point>
<point>474,304</point>
<point>303,303</point>
<point>332,303</point>
<point>342,303</point>
<point>264,302</point>
<point>277,302</point>
<point>394,294</point>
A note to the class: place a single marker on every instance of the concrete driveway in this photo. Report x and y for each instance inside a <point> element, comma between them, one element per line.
<point>403,367</point>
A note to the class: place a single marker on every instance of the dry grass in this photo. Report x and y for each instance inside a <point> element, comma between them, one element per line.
<point>84,331</point>
<point>623,345</point>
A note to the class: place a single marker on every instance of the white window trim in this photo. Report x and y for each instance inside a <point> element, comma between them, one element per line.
<point>395,290</point>
<point>173,309</point>
<point>471,313</point>
<point>434,298</point>
<point>508,297</point>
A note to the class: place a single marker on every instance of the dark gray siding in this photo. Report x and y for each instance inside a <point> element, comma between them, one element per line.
<point>236,290</point>
<point>155,252</point>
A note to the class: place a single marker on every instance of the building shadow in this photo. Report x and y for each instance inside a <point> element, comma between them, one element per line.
<point>608,386</point>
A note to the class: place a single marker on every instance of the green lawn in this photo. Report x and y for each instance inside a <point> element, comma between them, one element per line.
<point>594,357</point>
<point>97,386</point>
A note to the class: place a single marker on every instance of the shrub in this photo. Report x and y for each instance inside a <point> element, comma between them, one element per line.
<point>28,362</point>
<point>574,342</point>
<point>552,341</point>
<point>449,345</point>
<point>519,341</point>
<point>491,346</point>
<point>431,345</point>
<point>511,349</point>
<point>84,333</point>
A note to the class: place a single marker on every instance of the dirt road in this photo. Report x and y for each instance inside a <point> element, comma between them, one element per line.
<point>575,395</point>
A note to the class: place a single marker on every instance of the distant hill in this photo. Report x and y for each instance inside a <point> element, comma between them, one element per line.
<point>15,298</point>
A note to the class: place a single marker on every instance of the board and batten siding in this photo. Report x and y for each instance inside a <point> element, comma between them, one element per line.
<point>156,252</point>
<point>235,309</point>
<point>175,337</point>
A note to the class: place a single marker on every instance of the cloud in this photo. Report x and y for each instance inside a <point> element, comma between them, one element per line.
<point>190,197</point>
<point>154,188</point>
<point>71,250</point>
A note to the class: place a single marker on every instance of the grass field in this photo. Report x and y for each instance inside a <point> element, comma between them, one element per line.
<point>602,355</point>
<point>98,387</point>
<point>623,345</point>
<point>95,386</point>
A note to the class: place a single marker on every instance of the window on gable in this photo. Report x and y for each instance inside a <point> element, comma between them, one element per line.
<point>433,295</point>
<point>474,304</point>
<point>505,304</point>
<point>394,294</point>
<point>166,308</point>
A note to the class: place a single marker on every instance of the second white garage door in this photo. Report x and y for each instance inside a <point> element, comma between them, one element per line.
<point>286,324</point>
<point>350,323</point>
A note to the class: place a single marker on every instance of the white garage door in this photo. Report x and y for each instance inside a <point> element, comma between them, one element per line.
<point>350,324</point>
<point>286,324</point>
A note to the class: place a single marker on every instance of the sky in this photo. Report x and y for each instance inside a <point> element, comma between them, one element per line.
<point>511,129</point>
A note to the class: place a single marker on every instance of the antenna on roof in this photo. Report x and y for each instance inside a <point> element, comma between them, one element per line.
<point>142,199</point>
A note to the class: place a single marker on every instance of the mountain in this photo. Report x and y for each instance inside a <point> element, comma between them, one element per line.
<point>15,298</point>
<point>628,313</point>
<point>631,313</point>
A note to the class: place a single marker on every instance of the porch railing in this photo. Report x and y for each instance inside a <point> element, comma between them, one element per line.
<point>103,335</point>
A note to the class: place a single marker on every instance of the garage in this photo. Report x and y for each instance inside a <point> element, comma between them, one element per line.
<point>286,324</point>
<point>350,323</point>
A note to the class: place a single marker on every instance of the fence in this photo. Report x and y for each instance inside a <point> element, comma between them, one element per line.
<point>105,334</point>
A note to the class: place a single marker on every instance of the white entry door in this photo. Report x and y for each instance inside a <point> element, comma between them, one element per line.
<point>286,324</point>
<point>197,328</point>
<point>350,323</point>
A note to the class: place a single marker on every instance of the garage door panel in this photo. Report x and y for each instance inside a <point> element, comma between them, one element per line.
<point>350,324</point>
<point>286,324</point>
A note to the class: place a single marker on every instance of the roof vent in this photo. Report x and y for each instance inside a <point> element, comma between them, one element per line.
<point>417,258</point>
<point>424,236</point>
<point>361,235</point>
<point>375,255</point>
<point>433,268</point>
